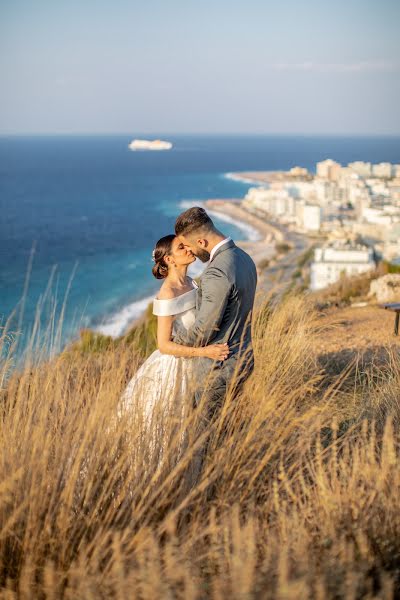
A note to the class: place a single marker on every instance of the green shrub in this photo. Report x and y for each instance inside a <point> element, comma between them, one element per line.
<point>143,335</point>
<point>389,267</point>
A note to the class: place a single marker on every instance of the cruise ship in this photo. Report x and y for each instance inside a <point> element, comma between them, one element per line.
<point>149,145</point>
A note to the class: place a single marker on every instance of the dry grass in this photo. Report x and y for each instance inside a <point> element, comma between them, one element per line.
<point>297,498</point>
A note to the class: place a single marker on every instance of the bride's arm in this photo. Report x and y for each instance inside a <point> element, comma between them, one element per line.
<point>166,346</point>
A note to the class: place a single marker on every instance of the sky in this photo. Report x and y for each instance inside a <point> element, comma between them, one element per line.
<point>200,66</point>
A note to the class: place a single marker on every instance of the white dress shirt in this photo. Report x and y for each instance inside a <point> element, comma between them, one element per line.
<point>213,251</point>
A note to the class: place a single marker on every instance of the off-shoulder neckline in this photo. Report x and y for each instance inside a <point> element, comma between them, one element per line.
<point>195,287</point>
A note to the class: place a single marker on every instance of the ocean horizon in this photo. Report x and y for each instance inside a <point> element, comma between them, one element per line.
<point>87,207</point>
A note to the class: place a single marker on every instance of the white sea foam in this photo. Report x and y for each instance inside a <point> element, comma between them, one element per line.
<point>251,233</point>
<point>236,177</point>
<point>117,324</point>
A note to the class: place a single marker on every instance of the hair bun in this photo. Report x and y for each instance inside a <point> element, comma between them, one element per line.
<point>162,249</point>
<point>160,271</point>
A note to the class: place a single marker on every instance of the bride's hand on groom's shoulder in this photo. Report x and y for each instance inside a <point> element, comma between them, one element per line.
<point>216,351</point>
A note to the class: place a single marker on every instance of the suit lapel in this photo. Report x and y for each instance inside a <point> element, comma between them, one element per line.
<point>227,246</point>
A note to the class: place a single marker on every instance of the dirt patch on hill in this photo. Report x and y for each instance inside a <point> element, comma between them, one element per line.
<point>356,327</point>
<point>356,340</point>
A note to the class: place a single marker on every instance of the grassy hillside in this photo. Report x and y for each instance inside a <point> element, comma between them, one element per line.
<point>297,498</point>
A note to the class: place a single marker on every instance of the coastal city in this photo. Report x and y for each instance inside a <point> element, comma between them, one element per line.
<point>353,209</point>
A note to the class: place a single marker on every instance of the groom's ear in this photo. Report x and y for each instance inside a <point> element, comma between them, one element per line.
<point>202,242</point>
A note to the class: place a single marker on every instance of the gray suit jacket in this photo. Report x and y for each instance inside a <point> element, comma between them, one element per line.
<point>225,302</point>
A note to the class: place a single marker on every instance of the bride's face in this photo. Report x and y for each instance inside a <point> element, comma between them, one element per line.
<point>198,247</point>
<point>181,254</point>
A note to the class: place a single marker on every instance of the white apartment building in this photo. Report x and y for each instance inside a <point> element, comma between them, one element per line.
<point>301,189</point>
<point>273,201</point>
<point>362,202</point>
<point>332,260</point>
<point>326,192</point>
<point>357,189</point>
<point>346,173</point>
<point>380,216</point>
<point>391,246</point>
<point>361,168</point>
<point>329,169</point>
<point>298,172</point>
<point>378,187</point>
<point>311,217</point>
<point>383,169</point>
<point>394,189</point>
<point>348,181</point>
<point>364,169</point>
<point>307,216</point>
<point>257,195</point>
<point>282,205</point>
<point>276,201</point>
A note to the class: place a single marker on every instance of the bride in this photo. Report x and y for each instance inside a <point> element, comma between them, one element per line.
<point>161,383</point>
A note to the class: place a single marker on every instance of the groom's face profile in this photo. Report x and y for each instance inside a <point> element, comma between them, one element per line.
<point>198,246</point>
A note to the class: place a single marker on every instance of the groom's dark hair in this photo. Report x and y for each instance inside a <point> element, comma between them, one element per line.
<point>193,219</point>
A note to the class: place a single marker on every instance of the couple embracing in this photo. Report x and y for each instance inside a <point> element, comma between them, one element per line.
<point>204,330</point>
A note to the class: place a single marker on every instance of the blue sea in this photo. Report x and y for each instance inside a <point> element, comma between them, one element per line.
<point>87,208</point>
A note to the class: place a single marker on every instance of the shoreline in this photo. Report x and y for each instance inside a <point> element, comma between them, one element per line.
<point>250,231</point>
<point>262,178</point>
<point>252,177</point>
<point>260,250</point>
<point>241,177</point>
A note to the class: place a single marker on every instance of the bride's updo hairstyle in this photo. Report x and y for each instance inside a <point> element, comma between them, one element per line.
<point>163,248</point>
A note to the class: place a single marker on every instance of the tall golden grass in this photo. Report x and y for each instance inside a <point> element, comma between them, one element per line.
<point>298,495</point>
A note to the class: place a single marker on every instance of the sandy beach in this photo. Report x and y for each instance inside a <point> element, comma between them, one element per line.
<point>265,177</point>
<point>261,249</point>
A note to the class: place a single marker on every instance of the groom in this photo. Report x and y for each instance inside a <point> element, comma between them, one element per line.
<point>224,305</point>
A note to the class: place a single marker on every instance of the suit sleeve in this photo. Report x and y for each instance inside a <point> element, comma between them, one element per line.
<point>216,290</point>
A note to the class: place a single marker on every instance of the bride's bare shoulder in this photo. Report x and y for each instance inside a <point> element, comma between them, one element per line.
<point>165,293</point>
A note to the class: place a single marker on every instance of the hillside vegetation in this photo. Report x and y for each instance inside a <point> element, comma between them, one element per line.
<point>298,496</point>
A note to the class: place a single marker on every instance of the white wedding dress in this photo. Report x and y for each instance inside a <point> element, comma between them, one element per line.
<point>161,383</point>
